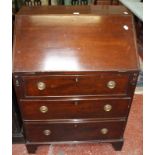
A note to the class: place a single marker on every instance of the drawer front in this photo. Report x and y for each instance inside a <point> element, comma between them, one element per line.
<point>46,86</point>
<point>42,110</point>
<point>46,132</point>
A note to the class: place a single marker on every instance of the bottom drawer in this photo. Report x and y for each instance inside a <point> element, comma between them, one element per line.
<point>47,131</point>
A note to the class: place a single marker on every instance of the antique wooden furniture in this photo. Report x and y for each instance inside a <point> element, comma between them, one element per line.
<point>74,69</point>
<point>106,2</point>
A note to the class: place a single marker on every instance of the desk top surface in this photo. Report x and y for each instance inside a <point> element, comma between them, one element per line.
<point>60,39</point>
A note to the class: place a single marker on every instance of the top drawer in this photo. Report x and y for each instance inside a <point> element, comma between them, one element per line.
<point>75,85</point>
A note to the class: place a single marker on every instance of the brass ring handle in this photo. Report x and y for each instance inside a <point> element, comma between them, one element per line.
<point>47,132</point>
<point>43,109</point>
<point>41,85</point>
<point>104,131</point>
<point>111,84</point>
<point>107,107</point>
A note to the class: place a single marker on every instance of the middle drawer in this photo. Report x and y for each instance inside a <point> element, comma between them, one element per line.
<point>70,109</point>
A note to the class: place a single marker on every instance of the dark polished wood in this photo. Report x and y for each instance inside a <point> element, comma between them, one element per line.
<point>75,85</point>
<point>125,89</point>
<point>117,145</point>
<point>73,131</point>
<point>75,70</point>
<point>74,109</point>
<point>77,41</point>
<point>31,148</point>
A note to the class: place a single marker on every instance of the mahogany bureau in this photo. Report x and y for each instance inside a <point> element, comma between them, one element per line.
<point>74,70</point>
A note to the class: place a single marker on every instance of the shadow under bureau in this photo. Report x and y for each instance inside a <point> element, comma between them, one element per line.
<point>74,72</point>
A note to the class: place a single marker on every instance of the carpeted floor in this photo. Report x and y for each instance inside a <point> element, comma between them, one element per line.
<point>133,144</point>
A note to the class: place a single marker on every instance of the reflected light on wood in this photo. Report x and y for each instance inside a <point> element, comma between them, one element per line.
<point>64,19</point>
<point>60,59</point>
